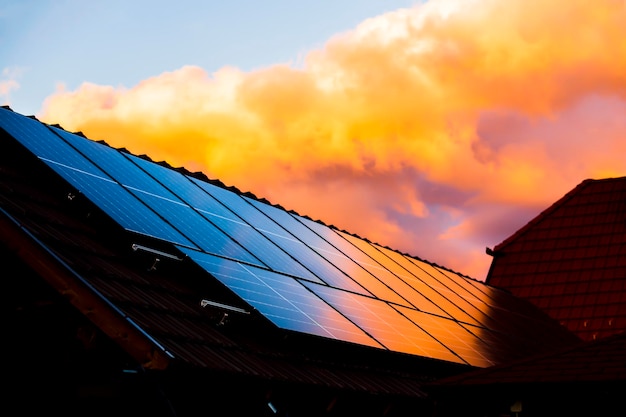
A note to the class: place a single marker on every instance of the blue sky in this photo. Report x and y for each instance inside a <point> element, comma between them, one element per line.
<point>120,42</point>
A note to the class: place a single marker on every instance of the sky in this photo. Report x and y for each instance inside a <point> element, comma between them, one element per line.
<point>437,128</point>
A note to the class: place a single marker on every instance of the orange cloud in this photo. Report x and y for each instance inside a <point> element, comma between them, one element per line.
<point>419,129</point>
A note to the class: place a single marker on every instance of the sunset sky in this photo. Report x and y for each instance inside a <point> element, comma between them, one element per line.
<point>437,128</point>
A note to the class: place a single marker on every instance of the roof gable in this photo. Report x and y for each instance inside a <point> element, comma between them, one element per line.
<point>570,260</point>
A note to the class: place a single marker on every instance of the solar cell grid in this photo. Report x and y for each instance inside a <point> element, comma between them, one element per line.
<point>356,264</point>
<point>455,283</point>
<point>451,334</point>
<point>238,204</point>
<point>421,282</point>
<point>117,165</point>
<point>224,219</point>
<point>299,252</point>
<point>124,208</point>
<point>415,297</point>
<point>48,144</point>
<point>480,287</point>
<point>42,142</point>
<point>384,323</point>
<point>282,299</point>
<point>328,272</point>
<point>169,207</point>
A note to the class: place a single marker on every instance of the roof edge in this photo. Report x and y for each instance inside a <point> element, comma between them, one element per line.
<point>543,214</point>
<point>78,294</point>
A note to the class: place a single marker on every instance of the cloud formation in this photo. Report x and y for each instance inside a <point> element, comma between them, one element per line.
<point>436,130</point>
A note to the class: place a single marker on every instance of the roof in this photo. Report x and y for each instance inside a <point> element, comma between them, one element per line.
<point>592,361</point>
<point>570,260</point>
<point>585,379</point>
<point>186,275</point>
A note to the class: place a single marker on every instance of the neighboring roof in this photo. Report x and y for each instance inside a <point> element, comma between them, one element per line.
<point>570,260</point>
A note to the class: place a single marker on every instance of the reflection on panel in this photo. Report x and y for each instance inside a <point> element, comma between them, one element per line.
<point>283,300</point>
<point>384,323</point>
<point>419,300</point>
<point>243,208</point>
<point>453,335</point>
<point>272,231</point>
<point>346,257</point>
<point>456,283</point>
<point>422,282</point>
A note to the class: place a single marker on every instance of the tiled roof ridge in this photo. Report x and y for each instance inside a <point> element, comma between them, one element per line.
<point>202,176</point>
<point>553,207</point>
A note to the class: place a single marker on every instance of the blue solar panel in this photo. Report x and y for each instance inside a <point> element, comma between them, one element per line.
<point>118,203</point>
<point>38,139</point>
<point>88,178</point>
<point>281,299</point>
<point>321,270</point>
<point>237,204</point>
<point>173,210</point>
<point>226,220</point>
<point>328,272</point>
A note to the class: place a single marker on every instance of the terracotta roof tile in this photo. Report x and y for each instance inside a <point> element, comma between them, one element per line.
<point>572,257</point>
<point>599,360</point>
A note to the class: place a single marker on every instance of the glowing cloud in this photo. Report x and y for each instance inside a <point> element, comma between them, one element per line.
<point>436,130</point>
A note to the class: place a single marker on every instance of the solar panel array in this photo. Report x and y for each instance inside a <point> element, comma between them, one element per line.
<point>300,274</point>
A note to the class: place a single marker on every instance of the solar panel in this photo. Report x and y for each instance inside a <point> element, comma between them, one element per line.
<point>451,302</point>
<point>416,297</point>
<point>281,299</point>
<point>87,178</point>
<point>385,323</point>
<point>327,271</point>
<point>453,335</point>
<point>224,219</point>
<point>355,263</point>
<point>173,210</point>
